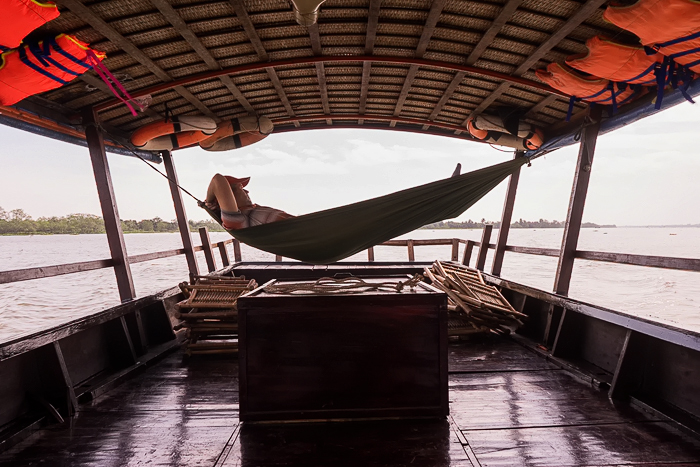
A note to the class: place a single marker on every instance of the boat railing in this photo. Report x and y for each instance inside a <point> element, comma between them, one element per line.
<point>208,249</point>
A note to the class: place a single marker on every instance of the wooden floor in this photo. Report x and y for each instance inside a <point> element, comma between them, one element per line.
<point>508,406</point>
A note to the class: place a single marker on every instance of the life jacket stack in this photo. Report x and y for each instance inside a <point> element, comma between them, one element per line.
<point>22,17</point>
<point>33,67</point>
<point>615,73</point>
<point>669,27</point>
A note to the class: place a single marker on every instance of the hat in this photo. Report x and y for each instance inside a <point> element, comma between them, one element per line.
<point>234,180</point>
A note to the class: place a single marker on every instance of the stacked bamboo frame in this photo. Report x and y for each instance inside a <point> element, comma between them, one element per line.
<point>210,314</point>
<point>473,306</point>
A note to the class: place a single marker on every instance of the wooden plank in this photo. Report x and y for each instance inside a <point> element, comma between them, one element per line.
<point>506,218</point>
<point>411,254</point>
<point>468,249</point>
<point>237,250</point>
<point>455,250</point>
<point>430,23</point>
<point>25,343</point>
<point>251,33</point>
<point>249,28</point>
<point>370,254</point>
<point>127,339</point>
<point>260,65</point>
<point>487,38</point>
<point>181,27</point>
<point>532,250</point>
<point>484,247</point>
<point>541,105</point>
<point>572,227</point>
<point>206,247</point>
<point>315,37</point>
<point>180,214</point>
<point>108,204</point>
<point>664,262</point>
<point>370,38</point>
<point>18,275</point>
<point>156,255</point>
<point>66,379</point>
<point>225,262</point>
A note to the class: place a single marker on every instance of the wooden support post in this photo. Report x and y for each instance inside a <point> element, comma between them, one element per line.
<point>180,213</point>
<point>72,399</point>
<point>224,254</point>
<point>370,254</point>
<point>278,258</point>
<point>567,254</point>
<point>506,218</point>
<point>411,255</point>
<point>468,249</point>
<point>455,250</point>
<point>108,202</point>
<point>206,247</point>
<point>237,251</point>
<point>129,342</point>
<point>484,248</point>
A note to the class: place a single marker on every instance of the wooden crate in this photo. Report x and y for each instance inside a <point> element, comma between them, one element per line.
<point>343,356</point>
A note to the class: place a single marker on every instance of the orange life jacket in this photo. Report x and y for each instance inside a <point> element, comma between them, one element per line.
<point>671,27</point>
<point>20,17</point>
<point>584,88</point>
<point>35,68</point>
<point>617,62</point>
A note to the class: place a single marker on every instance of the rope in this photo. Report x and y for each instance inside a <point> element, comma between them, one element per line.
<point>330,285</point>
<point>200,203</point>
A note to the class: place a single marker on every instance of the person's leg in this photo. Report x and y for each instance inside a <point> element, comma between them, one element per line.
<point>219,191</point>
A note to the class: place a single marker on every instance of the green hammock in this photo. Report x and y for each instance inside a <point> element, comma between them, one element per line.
<point>331,235</point>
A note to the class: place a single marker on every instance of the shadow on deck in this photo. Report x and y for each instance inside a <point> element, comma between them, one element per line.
<point>508,407</point>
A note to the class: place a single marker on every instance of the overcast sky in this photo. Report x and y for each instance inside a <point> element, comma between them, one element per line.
<point>645,174</point>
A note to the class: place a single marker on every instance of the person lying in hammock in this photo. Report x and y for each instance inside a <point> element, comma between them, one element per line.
<point>227,196</point>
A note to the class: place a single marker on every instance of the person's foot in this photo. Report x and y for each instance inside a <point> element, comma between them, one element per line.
<point>458,170</point>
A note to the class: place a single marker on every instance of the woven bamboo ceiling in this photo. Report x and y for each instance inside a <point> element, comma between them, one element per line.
<point>421,66</point>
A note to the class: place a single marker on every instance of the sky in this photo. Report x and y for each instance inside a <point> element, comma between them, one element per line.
<point>644,174</point>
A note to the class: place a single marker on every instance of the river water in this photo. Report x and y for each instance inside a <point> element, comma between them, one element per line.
<point>667,296</point>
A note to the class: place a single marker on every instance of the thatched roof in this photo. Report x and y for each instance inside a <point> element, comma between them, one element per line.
<point>421,66</point>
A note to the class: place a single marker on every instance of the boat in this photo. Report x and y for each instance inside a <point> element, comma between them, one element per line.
<point>577,384</point>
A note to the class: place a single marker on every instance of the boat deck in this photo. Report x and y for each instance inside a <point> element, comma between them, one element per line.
<point>508,407</point>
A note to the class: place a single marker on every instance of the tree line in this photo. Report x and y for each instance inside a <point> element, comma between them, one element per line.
<point>18,222</point>
<point>519,224</point>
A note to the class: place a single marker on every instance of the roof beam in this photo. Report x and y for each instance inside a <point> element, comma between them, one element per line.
<point>99,25</point>
<point>541,105</point>
<point>254,39</point>
<point>572,23</point>
<point>369,117</point>
<point>371,37</point>
<point>320,68</point>
<point>491,33</point>
<point>503,16</point>
<point>256,66</point>
<point>181,27</point>
<point>430,24</point>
